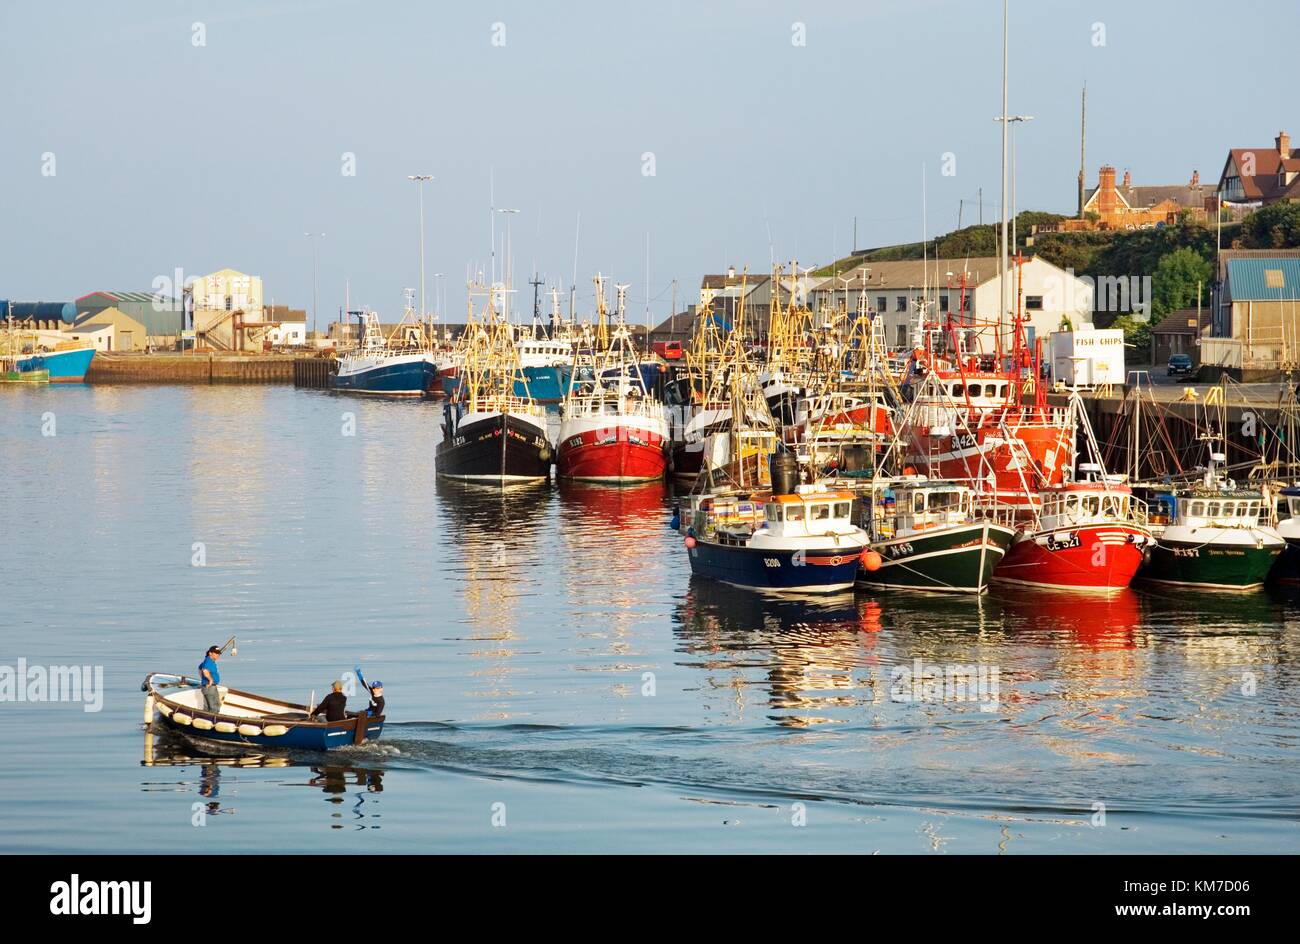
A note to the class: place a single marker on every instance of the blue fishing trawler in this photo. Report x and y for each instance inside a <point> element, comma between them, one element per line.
<point>401,366</point>
<point>63,366</point>
<point>249,719</point>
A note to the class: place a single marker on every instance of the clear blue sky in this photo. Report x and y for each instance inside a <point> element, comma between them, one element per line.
<point>170,155</point>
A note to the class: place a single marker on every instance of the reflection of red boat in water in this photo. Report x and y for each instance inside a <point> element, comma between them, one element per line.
<point>617,505</point>
<point>1106,622</point>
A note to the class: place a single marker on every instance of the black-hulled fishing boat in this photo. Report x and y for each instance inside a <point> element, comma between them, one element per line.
<point>489,433</point>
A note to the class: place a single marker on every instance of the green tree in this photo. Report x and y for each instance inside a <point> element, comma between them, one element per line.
<point>1137,334</point>
<point>1274,227</point>
<point>1177,278</point>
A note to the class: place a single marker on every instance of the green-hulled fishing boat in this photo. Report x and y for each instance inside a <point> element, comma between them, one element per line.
<point>929,536</point>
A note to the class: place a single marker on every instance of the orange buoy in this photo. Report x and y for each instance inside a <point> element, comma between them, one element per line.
<point>690,542</point>
<point>871,560</point>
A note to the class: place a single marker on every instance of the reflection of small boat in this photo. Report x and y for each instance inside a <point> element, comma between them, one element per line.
<point>251,719</point>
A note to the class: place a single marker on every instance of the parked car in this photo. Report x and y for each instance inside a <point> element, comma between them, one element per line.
<point>1179,365</point>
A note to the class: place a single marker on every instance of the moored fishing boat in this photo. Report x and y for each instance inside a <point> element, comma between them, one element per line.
<point>613,428</point>
<point>488,433</point>
<point>1210,536</point>
<point>1090,535</point>
<point>929,535</point>
<point>804,542</point>
<point>1287,568</point>
<point>394,367</point>
<point>250,719</point>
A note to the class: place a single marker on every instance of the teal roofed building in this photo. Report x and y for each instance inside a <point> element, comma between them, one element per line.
<point>162,316</point>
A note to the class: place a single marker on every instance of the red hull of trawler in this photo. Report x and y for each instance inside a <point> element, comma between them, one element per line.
<point>1046,446</point>
<point>1102,557</point>
<point>615,454</point>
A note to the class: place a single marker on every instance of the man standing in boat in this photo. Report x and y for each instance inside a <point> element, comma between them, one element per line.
<point>210,678</point>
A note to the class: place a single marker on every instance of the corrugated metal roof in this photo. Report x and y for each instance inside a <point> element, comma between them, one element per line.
<point>1264,279</point>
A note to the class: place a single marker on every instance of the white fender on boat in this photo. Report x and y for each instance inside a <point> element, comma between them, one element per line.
<point>274,730</point>
<point>203,724</point>
<point>225,727</point>
<point>166,709</point>
<point>249,730</point>
<point>181,718</point>
<point>148,709</point>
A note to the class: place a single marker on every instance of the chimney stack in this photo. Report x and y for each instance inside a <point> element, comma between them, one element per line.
<point>1196,178</point>
<point>1128,180</point>
<point>1284,145</point>
<point>731,272</point>
<point>1107,199</point>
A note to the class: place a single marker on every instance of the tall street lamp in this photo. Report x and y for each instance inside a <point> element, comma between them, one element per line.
<point>419,187</point>
<point>315,241</point>
<point>508,276</point>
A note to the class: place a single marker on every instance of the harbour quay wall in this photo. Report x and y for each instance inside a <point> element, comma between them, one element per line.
<point>196,368</point>
<point>1175,425</point>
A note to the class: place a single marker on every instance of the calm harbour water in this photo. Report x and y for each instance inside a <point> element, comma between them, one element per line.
<point>518,633</point>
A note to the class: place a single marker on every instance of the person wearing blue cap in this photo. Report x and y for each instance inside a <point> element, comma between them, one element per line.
<point>210,680</point>
<point>376,699</point>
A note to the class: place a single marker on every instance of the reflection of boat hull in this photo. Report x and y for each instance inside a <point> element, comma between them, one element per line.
<point>609,449</point>
<point>1211,565</point>
<point>791,570</point>
<point>403,375</point>
<point>63,366</point>
<point>957,559</point>
<point>254,720</point>
<point>1100,557</point>
<point>501,447</point>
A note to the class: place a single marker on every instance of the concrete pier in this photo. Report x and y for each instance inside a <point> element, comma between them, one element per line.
<point>195,368</point>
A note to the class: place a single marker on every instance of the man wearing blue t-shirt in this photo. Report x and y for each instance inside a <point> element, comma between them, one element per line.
<point>210,678</point>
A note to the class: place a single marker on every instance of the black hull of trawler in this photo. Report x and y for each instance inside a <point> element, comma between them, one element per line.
<point>499,448</point>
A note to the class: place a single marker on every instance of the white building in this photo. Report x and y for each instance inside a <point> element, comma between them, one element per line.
<point>1052,298</point>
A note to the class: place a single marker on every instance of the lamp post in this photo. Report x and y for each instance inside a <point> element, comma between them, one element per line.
<point>1008,121</point>
<point>508,276</point>
<point>419,189</point>
<point>315,240</point>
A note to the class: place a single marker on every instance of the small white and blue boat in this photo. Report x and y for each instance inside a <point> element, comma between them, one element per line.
<point>401,367</point>
<point>251,720</point>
